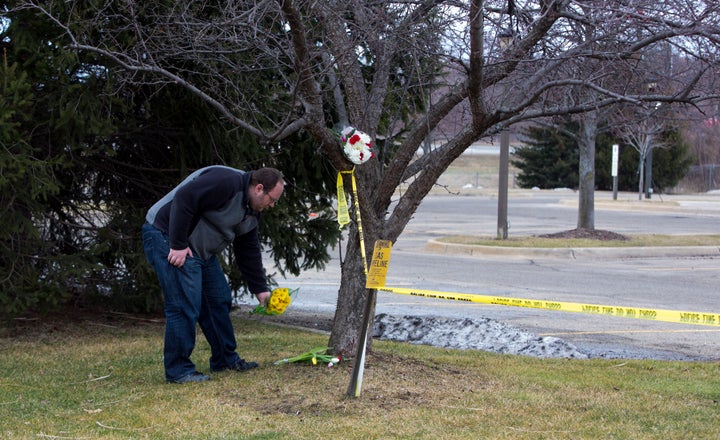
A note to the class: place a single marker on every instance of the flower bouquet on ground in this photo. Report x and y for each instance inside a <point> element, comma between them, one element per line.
<point>357,145</point>
<point>276,304</point>
<point>313,356</point>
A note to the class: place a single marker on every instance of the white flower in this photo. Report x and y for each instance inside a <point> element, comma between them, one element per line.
<point>357,145</point>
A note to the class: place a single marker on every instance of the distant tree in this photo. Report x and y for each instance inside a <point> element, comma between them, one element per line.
<point>670,164</point>
<point>549,159</point>
<point>702,132</point>
<point>644,137</point>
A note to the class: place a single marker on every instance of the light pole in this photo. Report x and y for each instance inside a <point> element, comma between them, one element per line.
<point>651,87</point>
<point>502,223</point>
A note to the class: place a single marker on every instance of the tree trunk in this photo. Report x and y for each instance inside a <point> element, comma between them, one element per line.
<point>586,171</point>
<point>353,296</point>
<point>351,301</point>
<point>641,175</point>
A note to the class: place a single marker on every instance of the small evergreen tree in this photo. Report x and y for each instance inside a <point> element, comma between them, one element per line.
<point>671,164</point>
<point>549,160</point>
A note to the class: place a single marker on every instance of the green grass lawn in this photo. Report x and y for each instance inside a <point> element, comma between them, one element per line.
<point>101,377</point>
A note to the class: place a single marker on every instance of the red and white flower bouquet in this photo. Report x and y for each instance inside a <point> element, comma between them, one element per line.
<point>357,145</point>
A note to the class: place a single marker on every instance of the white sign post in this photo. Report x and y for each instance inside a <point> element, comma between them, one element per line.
<point>615,158</point>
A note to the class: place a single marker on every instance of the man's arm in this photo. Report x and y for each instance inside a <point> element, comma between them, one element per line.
<point>248,256</point>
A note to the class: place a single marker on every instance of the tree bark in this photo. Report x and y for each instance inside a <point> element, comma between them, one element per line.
<point>351,301</point>
<point>586,171</point>
<point>641,175</point>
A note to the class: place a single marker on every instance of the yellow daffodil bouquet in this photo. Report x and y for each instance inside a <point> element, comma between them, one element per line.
<point>279,300</point>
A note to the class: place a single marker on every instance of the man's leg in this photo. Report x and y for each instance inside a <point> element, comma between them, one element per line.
<point>215,317</point>
<point>182,294</point>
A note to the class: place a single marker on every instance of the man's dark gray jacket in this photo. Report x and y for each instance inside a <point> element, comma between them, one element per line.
<point>207,212</point>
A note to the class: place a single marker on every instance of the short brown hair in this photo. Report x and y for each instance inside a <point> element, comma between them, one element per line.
<point>267,177</point>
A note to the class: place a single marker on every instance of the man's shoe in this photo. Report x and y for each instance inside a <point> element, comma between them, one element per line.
<point>192,377</point>
<point>240,365</point>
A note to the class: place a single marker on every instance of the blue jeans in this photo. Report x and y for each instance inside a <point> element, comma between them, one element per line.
<point>196,293</point>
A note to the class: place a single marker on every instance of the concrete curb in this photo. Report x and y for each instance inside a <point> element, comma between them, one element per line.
<point>573,253</point>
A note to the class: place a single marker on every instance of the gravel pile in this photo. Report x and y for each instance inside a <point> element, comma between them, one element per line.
<point>476,334</point>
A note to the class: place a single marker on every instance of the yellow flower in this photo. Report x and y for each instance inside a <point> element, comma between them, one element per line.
<point>279,300</point>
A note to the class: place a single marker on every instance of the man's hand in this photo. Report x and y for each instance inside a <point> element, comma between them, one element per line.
<point>263,297</point>
<point>177,257</point>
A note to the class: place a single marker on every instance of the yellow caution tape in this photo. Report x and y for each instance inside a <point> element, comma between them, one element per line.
<point>344,215</point>
<point>699,318</point>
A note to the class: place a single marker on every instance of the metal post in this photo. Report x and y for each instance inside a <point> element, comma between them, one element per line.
<point>502,224</point>
<point>648,175</point>
<point>356,378</point>
<point>615,187</point>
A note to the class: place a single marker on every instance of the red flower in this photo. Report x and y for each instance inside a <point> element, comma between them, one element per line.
<point>354,138</point>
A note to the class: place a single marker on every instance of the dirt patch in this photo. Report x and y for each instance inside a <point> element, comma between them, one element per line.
<point>80,321</point>
<point>292,317</point>
<point>591,234</point>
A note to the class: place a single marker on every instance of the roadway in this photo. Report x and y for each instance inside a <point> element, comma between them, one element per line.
<point>667,282</point>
